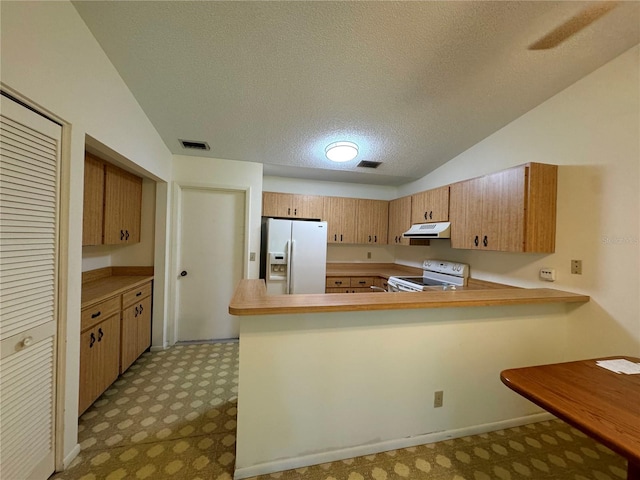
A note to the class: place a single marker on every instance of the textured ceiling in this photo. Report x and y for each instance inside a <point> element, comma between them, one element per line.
<point>412,83</point>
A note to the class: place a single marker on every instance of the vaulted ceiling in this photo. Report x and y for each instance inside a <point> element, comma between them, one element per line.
<point>412,83</point>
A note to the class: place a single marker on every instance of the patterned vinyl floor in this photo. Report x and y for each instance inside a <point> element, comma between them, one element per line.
<point>172,415</point>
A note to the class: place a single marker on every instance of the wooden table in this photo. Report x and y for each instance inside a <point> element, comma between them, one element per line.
<point>603,404</point>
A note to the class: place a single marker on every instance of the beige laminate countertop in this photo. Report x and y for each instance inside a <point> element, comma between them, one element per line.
<point>250,298</point>
<point>99,285</point>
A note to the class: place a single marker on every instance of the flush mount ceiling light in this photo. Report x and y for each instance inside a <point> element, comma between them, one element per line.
<point>341,151</point>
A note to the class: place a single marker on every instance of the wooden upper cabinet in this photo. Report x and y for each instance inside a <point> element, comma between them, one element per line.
<point>340,215</point>
<point>122,206</point>
<point>399,220</point>
<point>430,206</point>
<point>513,210</point>
<point>372,221</point>
<point>112,204</point>
<point>92,213</point>
<point>287,205</point>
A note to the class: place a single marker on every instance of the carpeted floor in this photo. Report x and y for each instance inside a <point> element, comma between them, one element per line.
<point>173,415</point>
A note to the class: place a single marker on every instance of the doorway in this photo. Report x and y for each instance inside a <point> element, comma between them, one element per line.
<point>210,261</point>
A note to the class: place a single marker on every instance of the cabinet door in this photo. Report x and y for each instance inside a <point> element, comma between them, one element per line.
<point>339,213</point>
<point>466,214</point>
<point>99,360</point>
<point>372,221</point>
<point>93,207</point>
<point>430,206</point>
<point>308,206</point>
<point>399,220</point>
<point>276,204</point>
<point>89,366</point>
<point>503,207</point>
<point>122,206</point>
<point>136,332</point>
<point>143,326</point>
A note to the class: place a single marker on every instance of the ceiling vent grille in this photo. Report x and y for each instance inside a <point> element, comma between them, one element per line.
<point>194,145</point>
<point>369,164</point>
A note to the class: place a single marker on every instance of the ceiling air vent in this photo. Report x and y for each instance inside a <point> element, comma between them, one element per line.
<point>368,164</point>
<point>194,145</point>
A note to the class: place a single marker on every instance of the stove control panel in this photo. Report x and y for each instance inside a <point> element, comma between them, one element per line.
<point>447,268</point>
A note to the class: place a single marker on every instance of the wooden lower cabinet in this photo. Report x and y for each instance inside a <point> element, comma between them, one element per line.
<point>99,360</point>
<point>353,284</point>
<point>135,332</point>
<point>114,333</point>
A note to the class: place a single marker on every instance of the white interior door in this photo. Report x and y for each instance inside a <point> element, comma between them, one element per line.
<point>29,164</point>
<point>211,248</point>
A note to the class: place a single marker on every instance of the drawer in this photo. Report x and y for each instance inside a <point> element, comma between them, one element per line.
<point>362,282</point>
<point>136,294</point>
<point>95,314</point>
<point>338,282</point>
<point>381,282</point>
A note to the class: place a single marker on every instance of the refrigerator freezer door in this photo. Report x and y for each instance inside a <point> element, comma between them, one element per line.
<point>308,259</point>
<point>278,238</point>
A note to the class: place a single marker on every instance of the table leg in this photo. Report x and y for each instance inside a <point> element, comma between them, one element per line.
<point>633,470</point>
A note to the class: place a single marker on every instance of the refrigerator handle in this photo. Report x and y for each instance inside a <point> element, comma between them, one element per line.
<point>289,260</point>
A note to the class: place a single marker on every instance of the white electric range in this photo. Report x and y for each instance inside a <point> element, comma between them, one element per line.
<point>437,274</point>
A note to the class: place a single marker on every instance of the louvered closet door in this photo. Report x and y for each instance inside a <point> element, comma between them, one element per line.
<point>29,162</point>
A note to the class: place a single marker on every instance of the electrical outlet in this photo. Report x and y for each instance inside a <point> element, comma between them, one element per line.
<point>438,399</point>
<point>548,274</point>
<point>252,256</point>
<point>576,267</point>
<point>368,254</point>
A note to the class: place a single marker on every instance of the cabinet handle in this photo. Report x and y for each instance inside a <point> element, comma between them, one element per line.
<point>100,334</point>
<point>138,294</point>
<point>335,238</point>
<point>362,282</point>
<point>485,241</point>
<point>141,308</point>
<point>288,211</point>
<point>92,340</point>
<point>295,211</point>
<point>96,315</point>
<point>431,215</point>
<point>369,238</point>
<point>183,273</point>
<point>426,215</point>
<point>340,237</point>
<point>476,241</point>
<point>121,234</point>
<point>375,239</point>
<point>338,283</point>
<point>136,312</point>
<point>126,235</point>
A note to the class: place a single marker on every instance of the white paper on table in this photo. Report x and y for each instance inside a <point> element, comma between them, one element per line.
<point>620,365</point>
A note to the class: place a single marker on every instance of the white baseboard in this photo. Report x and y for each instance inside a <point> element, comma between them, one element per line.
<point>71,457</point>
<point>369,449</point>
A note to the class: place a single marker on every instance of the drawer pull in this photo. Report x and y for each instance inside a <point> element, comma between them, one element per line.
<point>338,283</point>
<point>362,282</point>
<point>138,294</point>
<point>100,334</point>
<point>96,315</point>
<point>27,341</point>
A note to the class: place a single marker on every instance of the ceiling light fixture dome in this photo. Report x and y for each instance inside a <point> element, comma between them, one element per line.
<point>341,151</point>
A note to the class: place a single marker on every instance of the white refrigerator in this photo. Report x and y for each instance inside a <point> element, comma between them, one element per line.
<point>296,256</point>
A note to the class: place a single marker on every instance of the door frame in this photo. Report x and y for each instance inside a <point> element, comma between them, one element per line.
<point>177,187</point>
<point>61,276</point>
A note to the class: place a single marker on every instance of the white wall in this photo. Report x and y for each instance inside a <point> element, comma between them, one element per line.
<point>51,60</point>
<point>321,387</point>
<point>592,130</point>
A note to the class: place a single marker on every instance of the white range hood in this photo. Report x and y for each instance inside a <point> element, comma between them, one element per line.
<point>429,230</point>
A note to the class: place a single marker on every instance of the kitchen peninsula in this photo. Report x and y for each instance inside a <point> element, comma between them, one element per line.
<point>333,376</point>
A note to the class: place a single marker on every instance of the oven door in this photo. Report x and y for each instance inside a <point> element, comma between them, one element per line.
<point>399,287</point>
